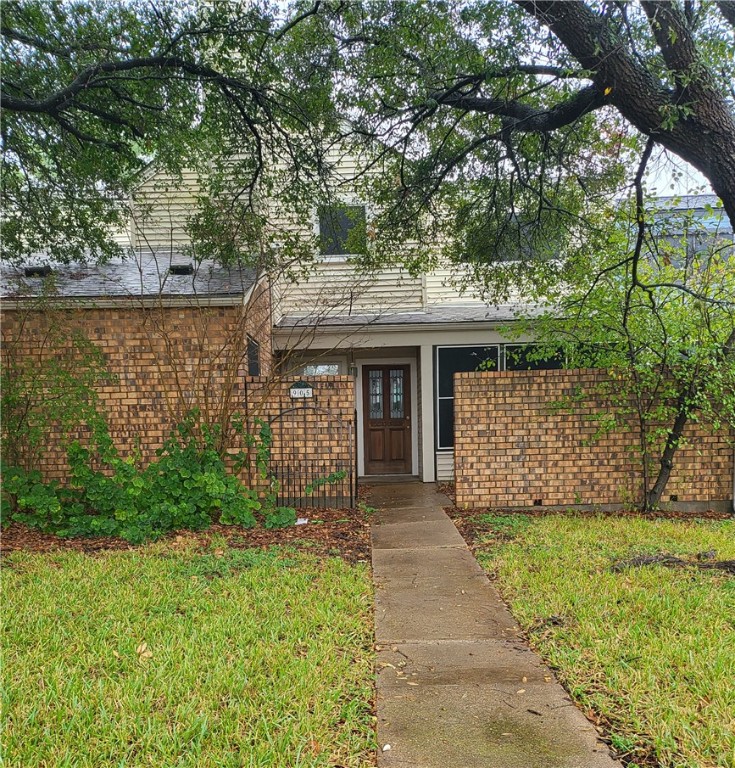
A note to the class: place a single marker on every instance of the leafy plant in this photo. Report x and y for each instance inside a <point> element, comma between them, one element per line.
<point>185,487</point>
<point>279,517</point>
<point>48,378</point>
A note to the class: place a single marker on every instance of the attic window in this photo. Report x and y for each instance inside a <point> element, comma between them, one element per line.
<point>44,271</point>
<point>181,269</point>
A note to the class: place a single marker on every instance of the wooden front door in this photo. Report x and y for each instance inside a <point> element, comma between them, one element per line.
<point>386,397</point>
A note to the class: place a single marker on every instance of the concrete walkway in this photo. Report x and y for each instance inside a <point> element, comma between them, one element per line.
<point>457,686</point>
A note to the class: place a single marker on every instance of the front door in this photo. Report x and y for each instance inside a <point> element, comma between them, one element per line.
<point>386,397</point>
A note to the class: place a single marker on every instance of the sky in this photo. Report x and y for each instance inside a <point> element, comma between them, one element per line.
<point>670,175</point>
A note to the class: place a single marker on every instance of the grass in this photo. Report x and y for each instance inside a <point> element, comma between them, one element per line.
<point>648,651</point>
<point>167,656</point>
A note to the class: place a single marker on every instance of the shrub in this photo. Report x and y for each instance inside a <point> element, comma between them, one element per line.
<point>185,487</point>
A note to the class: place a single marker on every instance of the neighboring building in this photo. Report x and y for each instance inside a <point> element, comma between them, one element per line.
<point>691,225</point>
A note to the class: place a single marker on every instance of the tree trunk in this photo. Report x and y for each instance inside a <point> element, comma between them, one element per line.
<point>704,137</point>
<point>652,498</point>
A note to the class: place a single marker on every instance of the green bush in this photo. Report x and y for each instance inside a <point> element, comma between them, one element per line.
<point>189,485</point>
<point>185,487</point>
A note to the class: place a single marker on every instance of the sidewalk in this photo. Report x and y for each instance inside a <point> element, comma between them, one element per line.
<point>457,686</point>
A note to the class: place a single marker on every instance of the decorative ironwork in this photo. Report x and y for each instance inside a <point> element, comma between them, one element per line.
<point>375,389</point>
<point>326,478</point>
<point>396,394</point>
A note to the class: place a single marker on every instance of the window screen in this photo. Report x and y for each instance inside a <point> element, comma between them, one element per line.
<point>253,357</point>
<point>522,357</point>
<point>335,225</point>
<point>451,360</point>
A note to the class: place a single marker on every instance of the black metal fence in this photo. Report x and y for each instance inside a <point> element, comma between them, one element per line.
<point>313,457</point>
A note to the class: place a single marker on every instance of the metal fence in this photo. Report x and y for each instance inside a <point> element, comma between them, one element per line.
<point>313,457</point>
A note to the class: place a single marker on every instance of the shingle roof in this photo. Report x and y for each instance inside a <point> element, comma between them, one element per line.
<point>143,275</point>
<point>436,315</point>
<point>704,210</point>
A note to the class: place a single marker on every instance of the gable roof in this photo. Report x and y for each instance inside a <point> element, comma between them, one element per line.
<point>143,275</point>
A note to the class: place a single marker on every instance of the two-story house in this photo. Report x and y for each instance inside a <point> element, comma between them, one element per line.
<point>401,337</point>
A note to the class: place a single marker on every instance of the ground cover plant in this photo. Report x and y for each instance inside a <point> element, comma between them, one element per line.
<point>644,642</point>
<point>180,654</point>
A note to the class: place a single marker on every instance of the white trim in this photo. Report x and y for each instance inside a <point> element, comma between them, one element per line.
<point>428,426</point>
<point>387,360</point>
<point>131,302</point>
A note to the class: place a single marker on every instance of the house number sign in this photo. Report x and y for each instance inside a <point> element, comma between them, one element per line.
<point>301,390</point>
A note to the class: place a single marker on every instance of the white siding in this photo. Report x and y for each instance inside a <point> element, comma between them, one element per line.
<point>336,288</point>
<point>444,466</point>
<point>161,209</point>
<point>441,287</point>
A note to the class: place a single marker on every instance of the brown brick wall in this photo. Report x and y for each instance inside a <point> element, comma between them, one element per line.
<point>165,361</point>
<point>514,447</point>
<point>312,438</point>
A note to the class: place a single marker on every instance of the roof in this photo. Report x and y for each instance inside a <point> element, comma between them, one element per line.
<point>439,314</point>
<point>141,275</point>
<point>703,211</point>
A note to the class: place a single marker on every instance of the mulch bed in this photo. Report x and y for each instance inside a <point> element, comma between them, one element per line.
<point>340,532</point>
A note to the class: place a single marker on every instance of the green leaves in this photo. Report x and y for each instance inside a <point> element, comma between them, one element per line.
<point>93,92</point>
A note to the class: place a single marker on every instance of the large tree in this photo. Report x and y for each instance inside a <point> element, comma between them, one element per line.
<point>514,131</point>
<point>507,121</point>
<point>94,91</point>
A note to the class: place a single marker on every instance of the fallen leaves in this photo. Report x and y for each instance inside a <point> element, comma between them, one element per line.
<point>144,653</point>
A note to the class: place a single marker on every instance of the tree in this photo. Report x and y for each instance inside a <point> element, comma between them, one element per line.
<point>509,127</point>
<point>93,92</point>
<point>670,349</point>
<point>505,122</point>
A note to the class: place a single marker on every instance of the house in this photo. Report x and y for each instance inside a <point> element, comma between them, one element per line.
<point>400,337</point>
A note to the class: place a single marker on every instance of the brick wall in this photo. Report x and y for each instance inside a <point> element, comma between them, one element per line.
<point>312,438</point>
<point>164,361</point>
<point>514,448</point>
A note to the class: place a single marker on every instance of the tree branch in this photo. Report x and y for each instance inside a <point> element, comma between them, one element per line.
<point>85,79</point>
<point>673,36</point>
<point>727,9</point>
<point>523,118</point>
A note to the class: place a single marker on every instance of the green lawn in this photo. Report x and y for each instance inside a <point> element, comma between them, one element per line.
<point>169,656</point>
<point>650,650</point>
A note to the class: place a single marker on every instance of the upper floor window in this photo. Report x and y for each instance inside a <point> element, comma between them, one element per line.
<point>342,229</point>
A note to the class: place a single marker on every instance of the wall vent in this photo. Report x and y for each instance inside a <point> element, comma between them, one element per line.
<point>538,502</point>
<point>181,269</point>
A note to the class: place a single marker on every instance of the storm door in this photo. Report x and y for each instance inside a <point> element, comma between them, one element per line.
<point>386,392</point>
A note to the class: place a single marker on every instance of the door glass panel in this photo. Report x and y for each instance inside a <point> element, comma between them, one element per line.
<point>375,389</point>
<point>396,394</point>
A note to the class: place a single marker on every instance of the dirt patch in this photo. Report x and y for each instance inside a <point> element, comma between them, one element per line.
<point>705,560</point>
<point>448,490</point>
<point>340,532</point>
